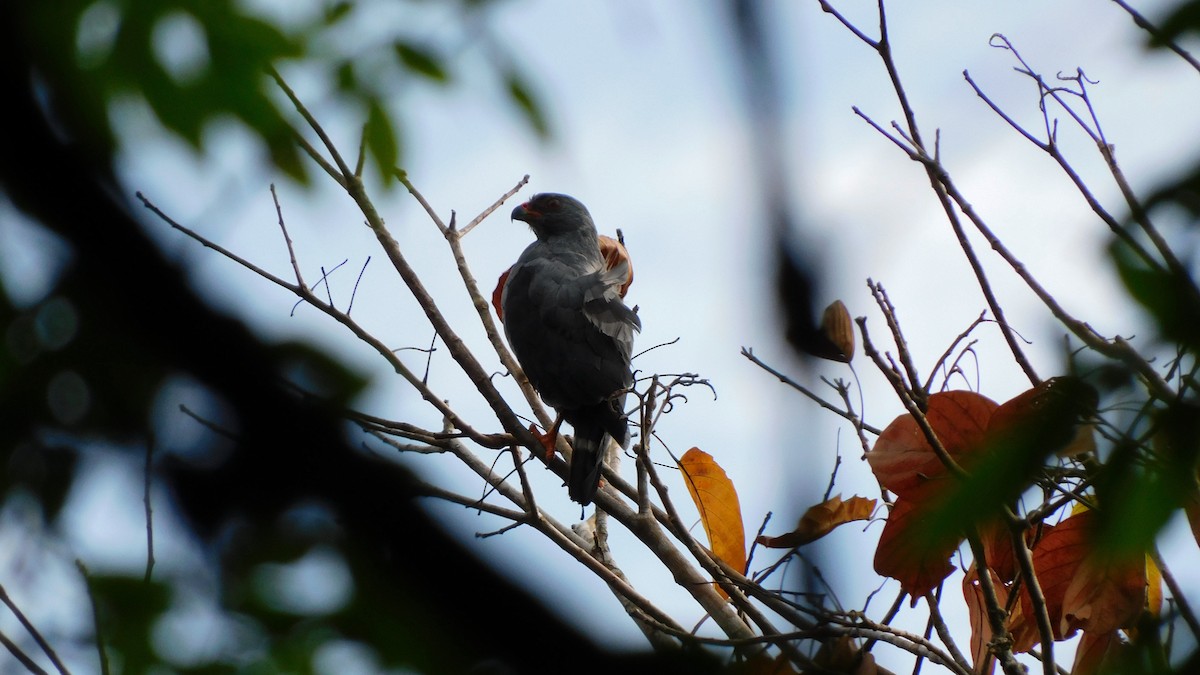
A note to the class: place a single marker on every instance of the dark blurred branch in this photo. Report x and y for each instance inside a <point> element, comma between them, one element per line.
<point>1158,35</point>
<point>21,656</point>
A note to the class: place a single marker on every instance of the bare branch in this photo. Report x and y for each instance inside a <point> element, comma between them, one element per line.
<point>33,633</point>
<point>846,414</point>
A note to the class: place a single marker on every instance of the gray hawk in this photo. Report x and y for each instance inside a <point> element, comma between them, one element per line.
<point>570,331</point>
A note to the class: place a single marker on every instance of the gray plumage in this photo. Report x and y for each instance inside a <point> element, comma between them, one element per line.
<point>570,331</point>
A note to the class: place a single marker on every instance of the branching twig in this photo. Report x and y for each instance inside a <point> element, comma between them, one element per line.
<point>846,414</point>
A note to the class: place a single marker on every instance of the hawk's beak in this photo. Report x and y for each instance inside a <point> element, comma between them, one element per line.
<point>522,213</point>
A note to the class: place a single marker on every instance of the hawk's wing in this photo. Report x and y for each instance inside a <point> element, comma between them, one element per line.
<point>568,326</point>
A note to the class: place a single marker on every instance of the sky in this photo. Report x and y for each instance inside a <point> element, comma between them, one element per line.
<point>650,133</point>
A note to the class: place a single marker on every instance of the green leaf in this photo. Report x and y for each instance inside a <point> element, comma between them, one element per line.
<point>421,61</point>
<point>346,79</point>
<point>1170,299</point>
<point>128,609</point>
<point>286,157</point>
<point>337,12</point>
<point>521,94</point>
<point>381,138</point>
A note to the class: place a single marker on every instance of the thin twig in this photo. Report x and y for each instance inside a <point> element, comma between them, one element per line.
<point>1002,642</point>
<point>149,511</point>
<point>897,382</point>
<point>287,239</point>
<point>848,415</point>
<point>943,631</point>
<point>354,293</point>
<point>495,205</point>
<point>889,314</point>
<point>33,632</point>
<point>312,123</point>
<point>21,656</point>
<point>477,372</point>
<point>1181,601</point>
<point>87,580</point>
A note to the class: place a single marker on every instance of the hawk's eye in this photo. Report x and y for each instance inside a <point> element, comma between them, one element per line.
<point>553,203</point>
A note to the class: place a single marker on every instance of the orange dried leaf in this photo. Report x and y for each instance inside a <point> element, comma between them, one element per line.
<point>909,551</point>
<point>1056,560</point>
<point>821,519</point>
<point>614,253</point>
<point>998,549</point>
<point>1085,589</point>
<point>498,294</point>
<point>717,501</point>
<point>902,458</point>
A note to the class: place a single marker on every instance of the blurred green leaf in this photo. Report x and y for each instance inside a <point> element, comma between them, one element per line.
<point>128,609</point>
<point>1183,192</point>
<point>286,156</point>
<point>522,95</point>
<point>337,12</point>
<point>1169,298</point>
<point>422,61</point>
<point>381,139</point>
<point>344,74</point>
<point>1138,491</point>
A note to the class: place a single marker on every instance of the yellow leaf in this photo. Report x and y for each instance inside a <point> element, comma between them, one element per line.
<point>717,501</point>
<point>821,519</point>
<point>1154,592</point>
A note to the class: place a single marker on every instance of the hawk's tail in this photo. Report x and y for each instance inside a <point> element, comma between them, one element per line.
<point>591,440</point>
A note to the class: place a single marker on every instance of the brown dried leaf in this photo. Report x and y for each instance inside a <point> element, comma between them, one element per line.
<point>1105,594</point>
<point>981,627</point>
<point>717,501</point>
<point>1056,560</point>
<point>909,551</point>
<point>844,656</point>
<point>1049,413</point>
<point>1092,651</point>
<point>821,519</point>
<point>839,330</point>
<point>1085,589</point>
<point>614,252</point>
<point>903,460</point>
